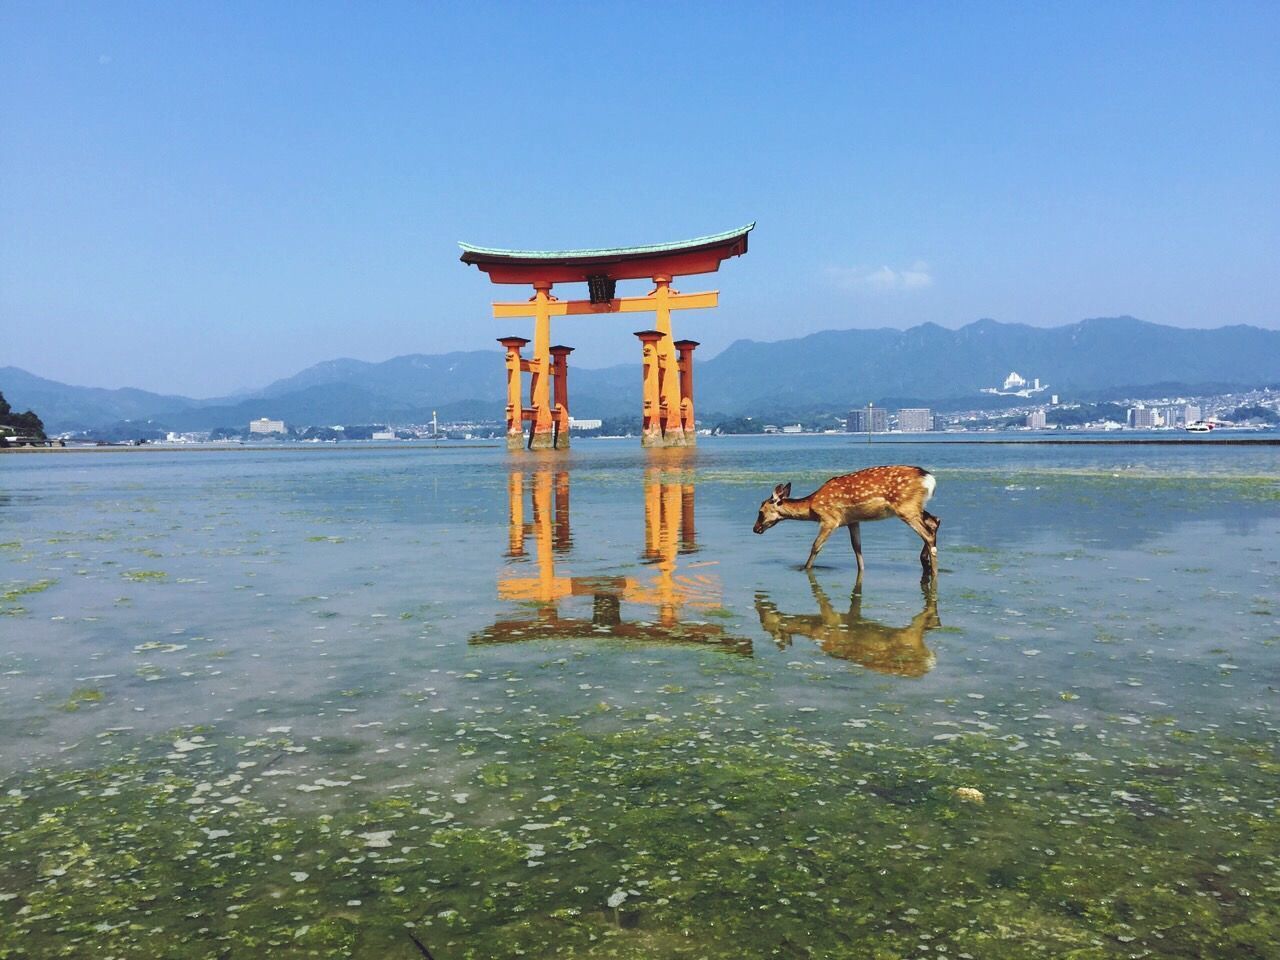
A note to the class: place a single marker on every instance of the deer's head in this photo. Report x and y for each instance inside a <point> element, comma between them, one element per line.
<point>769,513</point>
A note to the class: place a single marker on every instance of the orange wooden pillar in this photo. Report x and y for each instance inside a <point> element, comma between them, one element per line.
<point>651,399</point>
<point>685,349</point>
<point>560,403</point>
<point>669,371</point>
<point>515,399</point>
<point>542,430</point>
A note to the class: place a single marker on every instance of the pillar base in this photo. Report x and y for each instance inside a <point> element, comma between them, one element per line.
<point>673,438</point>
<point>562,440</point>
<point>542,441</point>
<point>515,441</point>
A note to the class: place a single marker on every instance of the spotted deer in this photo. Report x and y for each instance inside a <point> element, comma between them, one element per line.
<point>876,493</point>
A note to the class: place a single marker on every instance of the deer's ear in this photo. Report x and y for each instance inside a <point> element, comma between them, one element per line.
<point>781,491</point>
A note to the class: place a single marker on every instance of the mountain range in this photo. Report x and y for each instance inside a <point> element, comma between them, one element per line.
<point>836,369</point>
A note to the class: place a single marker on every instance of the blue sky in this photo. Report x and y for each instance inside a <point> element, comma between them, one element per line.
<point>198,198</point>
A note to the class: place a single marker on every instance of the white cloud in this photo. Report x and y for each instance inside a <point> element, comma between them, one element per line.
<point>882,279</point>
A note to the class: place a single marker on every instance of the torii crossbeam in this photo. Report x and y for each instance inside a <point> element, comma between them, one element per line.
<point>667,413</point>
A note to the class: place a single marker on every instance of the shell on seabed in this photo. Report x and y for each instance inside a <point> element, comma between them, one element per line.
<point>969,795</point>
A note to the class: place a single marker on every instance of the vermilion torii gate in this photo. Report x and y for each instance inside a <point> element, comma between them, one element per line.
<point>667,412</point>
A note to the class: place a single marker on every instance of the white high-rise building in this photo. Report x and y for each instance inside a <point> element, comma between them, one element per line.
<point>263,425</point>
<point>1036,420</point>
<point>1145,418</point>
<point>915,420</point>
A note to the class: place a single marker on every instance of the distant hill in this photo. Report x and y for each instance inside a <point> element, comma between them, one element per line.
<point>929,362</point>
<point>64,407</point>
<point>832,369</point>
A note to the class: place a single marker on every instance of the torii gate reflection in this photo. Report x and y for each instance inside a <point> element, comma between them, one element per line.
<point>669,534</point>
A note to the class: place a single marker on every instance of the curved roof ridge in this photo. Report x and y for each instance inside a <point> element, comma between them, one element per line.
<point>609,251</point>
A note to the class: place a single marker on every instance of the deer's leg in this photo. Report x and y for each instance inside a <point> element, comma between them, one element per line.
<point>855,538</point>
<point>818,543</point>
<point>929,553</point>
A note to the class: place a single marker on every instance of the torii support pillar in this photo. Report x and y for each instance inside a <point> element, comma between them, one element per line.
<point>515,398</point>
<point>669,369</point>
<point>560,403</point>
<point>542,427</point>
<point>685,349</point>
<point>650,398</point>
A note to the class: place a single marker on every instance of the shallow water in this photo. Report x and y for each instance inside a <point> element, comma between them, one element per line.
<point>312,702</point>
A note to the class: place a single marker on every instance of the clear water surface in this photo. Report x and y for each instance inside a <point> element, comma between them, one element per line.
<point>330,702</point>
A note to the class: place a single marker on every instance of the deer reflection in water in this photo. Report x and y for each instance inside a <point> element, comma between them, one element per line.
<point>669,534</point>
<point>850,636</point>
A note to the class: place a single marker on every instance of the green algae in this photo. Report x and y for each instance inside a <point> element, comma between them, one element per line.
<point>9,597</point>
<point>80,697</point>
<point>145,576</point>
<point>673,839</point>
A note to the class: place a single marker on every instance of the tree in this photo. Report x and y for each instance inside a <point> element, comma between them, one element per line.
<point>1265,414</point>
<point>24,424</point>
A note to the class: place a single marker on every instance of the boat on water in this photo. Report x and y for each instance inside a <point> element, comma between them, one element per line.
<point>1200,426</point>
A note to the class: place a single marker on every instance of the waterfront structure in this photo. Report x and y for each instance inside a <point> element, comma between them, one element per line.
<point>915,420</point>
<point>868,419</point>
<point>577,424</point>
<point>1036,420</point>
<point>263,425</point>
<point>1016,385</point>
<point>667,364</point>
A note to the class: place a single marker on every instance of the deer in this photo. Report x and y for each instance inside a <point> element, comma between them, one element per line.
<point>875,493</point>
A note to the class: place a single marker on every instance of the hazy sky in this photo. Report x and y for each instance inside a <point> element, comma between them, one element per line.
<point>197,198</point>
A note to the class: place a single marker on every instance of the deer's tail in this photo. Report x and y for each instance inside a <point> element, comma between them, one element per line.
<point>929,482</point>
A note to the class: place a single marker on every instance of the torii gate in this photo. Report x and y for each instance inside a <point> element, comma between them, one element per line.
<point>667,411</point>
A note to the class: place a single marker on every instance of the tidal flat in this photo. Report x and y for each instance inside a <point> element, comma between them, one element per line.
<point>400,700</point>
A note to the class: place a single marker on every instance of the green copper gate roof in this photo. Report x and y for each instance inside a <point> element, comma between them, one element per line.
<point>715,238</point>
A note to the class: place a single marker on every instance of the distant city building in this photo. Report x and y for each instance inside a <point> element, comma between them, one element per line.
<point>1145,418</point>
<point>264,425</point>
<point>868,420</point>
<point>383,435</point>
<point>1036,420</point>
<point>1053,399</point>
<point>1190,413</point>
<point>915,420</point>
<point>1014,382</point>
<point>793,428</point>
<point>576,424</point>
<point>939,422</point>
